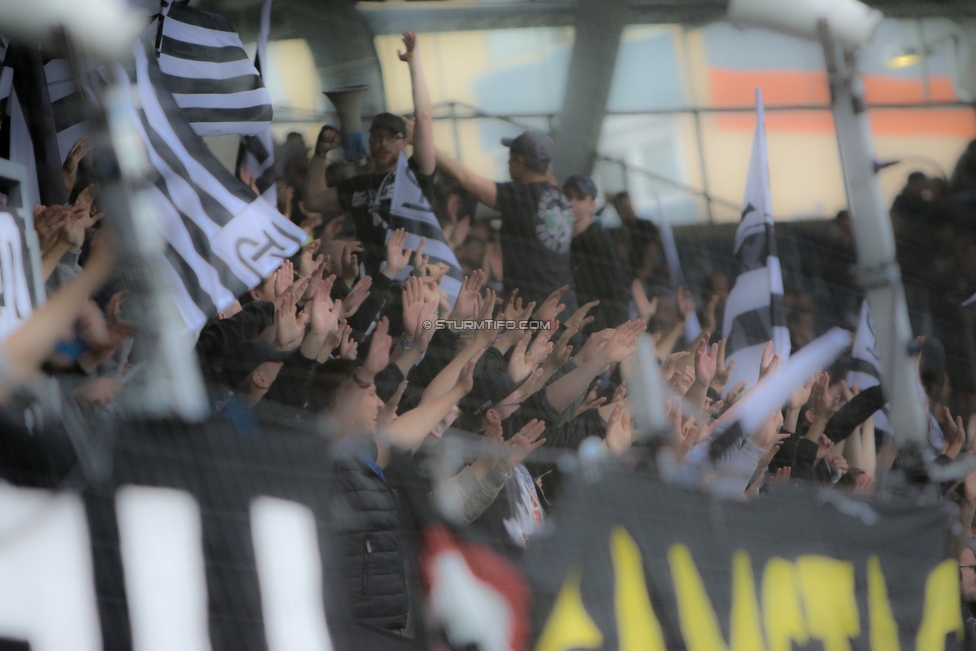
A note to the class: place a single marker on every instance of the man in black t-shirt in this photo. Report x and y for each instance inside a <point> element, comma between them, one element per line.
<point>537,222</point>
<point>367,197</point>
<point>638,233</point>
<point>599,272</point>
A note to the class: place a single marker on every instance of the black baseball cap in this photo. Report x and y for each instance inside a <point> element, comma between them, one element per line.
<point>390,122</point>
<point>488,390</point>
<point>532,145</point>
<point>247,357</point>
<point>584,183</point>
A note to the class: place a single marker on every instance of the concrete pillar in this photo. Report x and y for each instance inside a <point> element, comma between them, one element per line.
<point>599,24</point>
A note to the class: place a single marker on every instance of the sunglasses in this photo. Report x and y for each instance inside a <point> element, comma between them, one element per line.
<point>380,138</point>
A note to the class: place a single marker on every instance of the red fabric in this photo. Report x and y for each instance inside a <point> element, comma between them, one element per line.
<point>491,568</point>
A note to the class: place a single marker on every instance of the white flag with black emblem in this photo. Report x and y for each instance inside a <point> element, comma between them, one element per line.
<point>754,312</point>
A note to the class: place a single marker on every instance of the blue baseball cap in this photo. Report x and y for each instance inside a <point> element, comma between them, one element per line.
<point>585,184</point>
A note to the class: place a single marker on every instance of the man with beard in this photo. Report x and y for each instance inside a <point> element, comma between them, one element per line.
<point>367,197</point>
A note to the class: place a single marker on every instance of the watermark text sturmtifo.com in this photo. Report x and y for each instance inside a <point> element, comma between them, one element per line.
<point>487,324</point>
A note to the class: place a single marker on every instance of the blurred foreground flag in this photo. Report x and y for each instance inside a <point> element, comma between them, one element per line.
<point>205,67</point>
<point>754,311</point>
<point>221,239</point>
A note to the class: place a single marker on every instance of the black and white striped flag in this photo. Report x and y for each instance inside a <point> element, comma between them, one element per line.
<point>205,67</point>
<point>67,104</point>
<point>754,311</point>
<point>221,240</point>
<point>412,212</point>
<point>866,365</point>
<point>257,152</point>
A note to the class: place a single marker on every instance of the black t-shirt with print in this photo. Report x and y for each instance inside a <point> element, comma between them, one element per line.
<point>537,228</point>
<point>367,199</point>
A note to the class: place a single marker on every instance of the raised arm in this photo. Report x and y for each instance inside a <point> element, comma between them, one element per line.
<point>318,196</point>
<point>27,346</point>
<point>477,186</point>
<point>410,429</point>
<point>423,129</point>
<point>566,389</point>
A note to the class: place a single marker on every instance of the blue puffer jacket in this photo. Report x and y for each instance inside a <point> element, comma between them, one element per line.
<point>372,538</point>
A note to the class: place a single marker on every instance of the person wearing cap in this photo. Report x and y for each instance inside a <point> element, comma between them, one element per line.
<point>537,222</point>
<point>598,271</point>
<point>367,197</point>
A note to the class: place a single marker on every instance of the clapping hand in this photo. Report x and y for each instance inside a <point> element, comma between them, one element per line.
<point>396,257</point>
<point>590,402</point>
<point>722,370</point>
<point>705,361</point>
<point>521,365</point>
<point>284,277</point>
<point>48,221</point>
<point>619,436</point>
<point>289,326</point>
<point>466,306</point>
<point>325,311</point>
<point>645,308</point>
<point>69,169</point>
<point>623,342</point>
<point>414,305</point>
<point>551,307</point>
<point>579,317</point>
<point>356,297</point>
<point>823,404</point>
<point>594,344</point>
<point>378,356</point>
<point>526,440</point>
<point>348,347</point>
<point>769,363</point>
<point>420,260</point>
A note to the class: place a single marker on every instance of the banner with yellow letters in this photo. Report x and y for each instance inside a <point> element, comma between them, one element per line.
<point>632,564</point>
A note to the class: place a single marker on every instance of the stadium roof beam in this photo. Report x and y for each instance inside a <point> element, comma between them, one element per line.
<point>464,15</point>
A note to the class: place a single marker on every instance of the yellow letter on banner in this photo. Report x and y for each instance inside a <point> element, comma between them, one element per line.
<point>569,625</point>
<point>884,629</point>
<point>699,625</point>
<point>828,596</point>
<point>745,633</point>
<point>637,626</point>
<point>942,612</point>
<point>782,613</point>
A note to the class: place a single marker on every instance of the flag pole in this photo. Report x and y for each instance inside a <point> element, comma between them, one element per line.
<point>877,271</point>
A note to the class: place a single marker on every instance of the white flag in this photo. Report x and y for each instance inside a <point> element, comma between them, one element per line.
<point>692,326</point>
<point>755,311</point>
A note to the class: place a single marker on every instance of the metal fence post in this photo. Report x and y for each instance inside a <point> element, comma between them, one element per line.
<point>454,130</point>
<point>701,163</point>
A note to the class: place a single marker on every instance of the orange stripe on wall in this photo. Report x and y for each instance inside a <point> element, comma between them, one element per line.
<point>958,122</point>
<point>737,87</point>
<point>782,87</point>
